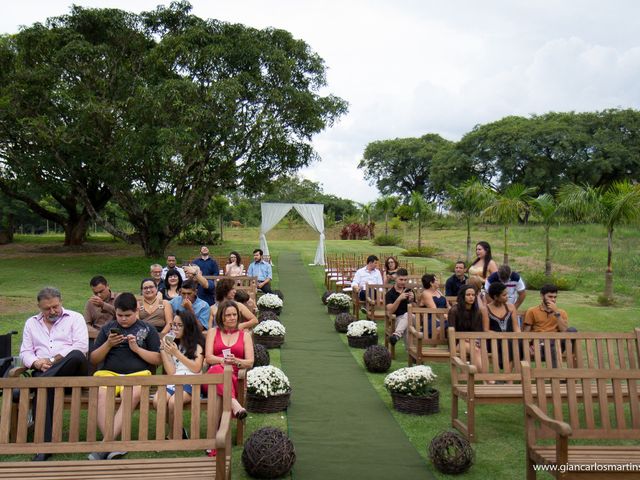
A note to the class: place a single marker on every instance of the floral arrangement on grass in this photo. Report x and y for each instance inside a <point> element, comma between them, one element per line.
<point>362,328</point>
<point>415,381</point>
<point>270,327</point>
<point>339,300</point>
<point>270,300</point>
<point>267,381</point>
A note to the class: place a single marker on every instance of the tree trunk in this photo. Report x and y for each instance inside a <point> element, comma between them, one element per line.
<point>608,276</point>
<point>547,258</point>
<point>386,223</point>
<point>468,240</point>
<point>154,245</point>
<point>221,224</point>
<point>369,226</point>
<point>75,230</point>
<point>419,234</point>
<point>506,246</point>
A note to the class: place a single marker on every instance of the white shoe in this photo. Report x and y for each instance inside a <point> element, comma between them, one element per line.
<point>98,456</point>
<point>112,455</point>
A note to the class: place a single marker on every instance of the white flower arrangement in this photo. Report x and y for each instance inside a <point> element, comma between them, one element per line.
<point>269,327</point>
<point>267,381</point>
<point>414,381</point>
<point>339,300</point>
<point>361,328</point>
<point>270,300</point>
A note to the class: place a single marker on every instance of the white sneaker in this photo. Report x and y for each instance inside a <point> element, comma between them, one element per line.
<point>112,455</point>
<point>98,456</point>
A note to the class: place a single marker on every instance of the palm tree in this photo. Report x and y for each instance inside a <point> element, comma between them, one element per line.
<point>548,209</point>
<point>507,209</point>
<point>387,204</point>
<point>616,204</point>
<point>219,206</point>
<point>421,210</point>
<point>365,210</point>
<point>469,200</point>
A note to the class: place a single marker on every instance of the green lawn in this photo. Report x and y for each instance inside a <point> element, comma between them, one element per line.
<point>579,253</point>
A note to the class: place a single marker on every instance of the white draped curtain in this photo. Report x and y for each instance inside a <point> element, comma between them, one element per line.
<point>313,213</point>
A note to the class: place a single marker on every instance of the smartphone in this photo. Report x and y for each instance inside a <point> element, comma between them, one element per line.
<point>226,353</point>
<point>170,337</point>
<point>117,331</point>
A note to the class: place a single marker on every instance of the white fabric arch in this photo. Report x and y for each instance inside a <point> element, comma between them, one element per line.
<point>313,213</point>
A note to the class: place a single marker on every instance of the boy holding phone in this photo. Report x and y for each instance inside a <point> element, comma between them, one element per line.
<point>127,346</point>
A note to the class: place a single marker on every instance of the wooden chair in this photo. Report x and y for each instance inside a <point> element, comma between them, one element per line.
<point>427,335</point>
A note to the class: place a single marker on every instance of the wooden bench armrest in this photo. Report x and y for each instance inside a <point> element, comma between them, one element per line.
<point>458,363</point>
<point>223,430</point>
<point>16,371</point>
<point>561,428</point>
<point>416,333</point>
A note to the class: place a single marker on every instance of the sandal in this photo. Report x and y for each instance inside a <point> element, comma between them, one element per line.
<point>242,414</point>
<point>211,453</point>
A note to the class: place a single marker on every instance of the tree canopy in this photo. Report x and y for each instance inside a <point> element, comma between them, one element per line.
<point>159,110</point>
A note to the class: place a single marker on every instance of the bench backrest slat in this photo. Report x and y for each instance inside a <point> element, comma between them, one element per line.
<point>598,403</point>
<point>431,322</point>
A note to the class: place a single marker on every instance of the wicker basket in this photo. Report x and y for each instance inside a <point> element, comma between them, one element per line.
<point>337,310</point>
<point>277,311</point>
<point>416,405</point>
<point>269,341</point>
<point>362,342</point>
<point>275,403</point>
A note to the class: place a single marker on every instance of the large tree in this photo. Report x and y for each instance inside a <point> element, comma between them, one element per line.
<point>188,108</point>
<point>402,166</point>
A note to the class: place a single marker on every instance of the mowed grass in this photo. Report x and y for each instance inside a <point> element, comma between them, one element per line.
<point>579,252</point>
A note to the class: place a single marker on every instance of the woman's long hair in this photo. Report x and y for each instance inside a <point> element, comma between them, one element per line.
<point>487,257</point>
<point>238,259</point>
<point>171,272</point>
<point>191,335</point>
<point>466,319</point>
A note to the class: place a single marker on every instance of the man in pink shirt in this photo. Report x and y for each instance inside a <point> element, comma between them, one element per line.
<point>54,344</point>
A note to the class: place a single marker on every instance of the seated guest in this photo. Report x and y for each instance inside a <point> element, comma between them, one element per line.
<point>226,290</point>
<point>99,308</point>
<point>455,281</point>
<point>183,355</point>
<point>481,295</point>
<point>234,267</point>
<point>153,309</point>
<point>516,289</point>
<point>466,316</point>
<point>261,269</point>
<point>173,284</point>
<point>397,302</point>
<point>242,296</point>
<point>54,344</point>
<point>547,317</point>
<point>390,269</point>
<point>156,273</point>
<point>188,300</point>
<point>128,347</point>
<point>431,296</point>
<point>228,345</point>
<point>208,266</point>
<point>503,317</point>
<point>206,286</point>
<point>171,265</point>
<point>369,274</point>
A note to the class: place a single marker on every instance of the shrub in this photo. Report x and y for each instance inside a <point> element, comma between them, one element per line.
<point>605,301</point>
<point>426,251</point>
<point>356,231</point>
<point>534,281</point>
<point>198,235</point>
<point>395,223</point>
<point>387,240</point>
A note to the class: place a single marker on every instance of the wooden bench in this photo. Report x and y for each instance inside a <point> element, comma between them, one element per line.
<point>499,380</point>
<point>601,406</point>
<point>146,433</point>
<point>426,335</point>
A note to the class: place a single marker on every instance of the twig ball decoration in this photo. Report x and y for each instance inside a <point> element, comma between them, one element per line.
<point>325,295</point>
<point>267,315</point>
<point>279,294</point>
<point>261,355</point>
<point>342,321</point>
<point>268,453</point>
<point>451,453</point>
<point>377,359</point>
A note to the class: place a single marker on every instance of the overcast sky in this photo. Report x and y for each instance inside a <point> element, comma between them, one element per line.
<point>410,67</point>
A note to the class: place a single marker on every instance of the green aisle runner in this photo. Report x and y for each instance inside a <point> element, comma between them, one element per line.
<point>340,427</point>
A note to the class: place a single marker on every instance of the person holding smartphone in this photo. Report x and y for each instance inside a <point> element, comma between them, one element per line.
<point>182,353</point>
<point>397,302</point>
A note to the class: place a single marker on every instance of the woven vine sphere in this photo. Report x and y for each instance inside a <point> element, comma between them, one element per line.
<point>377,358</point>
<point>267,315</point>
<point>342,322</point>
<point>279,294</point>
<point>261,356</point>
<point>451,453</point>
<point>325,296</point>
<point>268,453</point>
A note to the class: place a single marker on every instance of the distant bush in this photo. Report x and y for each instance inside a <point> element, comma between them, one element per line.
<point>426,251</point>
<point>356,231</point>
<point>534,281</point>
<point>395,223</point>
<point>605,301</point>
<point>198,235</point>
<point>387,240</point>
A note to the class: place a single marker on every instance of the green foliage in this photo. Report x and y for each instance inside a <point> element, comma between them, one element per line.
<point>424,251</point>
<point>387,240</point>
<point>404,212</point>
<point>198,235</point>
<point>402,165</point>
<point>395,223</point>
<point>535,280</point>
<point>605,301</point>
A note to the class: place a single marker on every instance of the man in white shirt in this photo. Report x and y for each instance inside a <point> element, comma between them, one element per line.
<point>369,274</point>
<point>516,289</point>
<point>171,263</point>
